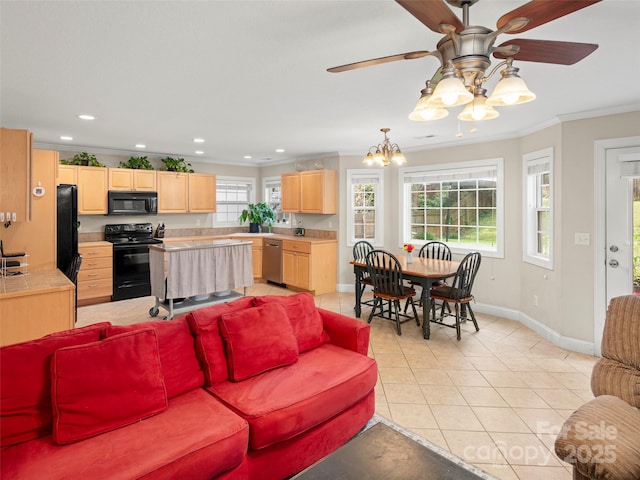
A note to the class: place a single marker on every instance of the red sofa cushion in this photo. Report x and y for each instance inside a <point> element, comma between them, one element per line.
<point>105,385</point>
<point>180,366</point>
<point>257,340</point>
<point>25,383</point>
<point>196,438</point>
<point>209,346</point>
<point>282,403</point>
<point>304,317</point>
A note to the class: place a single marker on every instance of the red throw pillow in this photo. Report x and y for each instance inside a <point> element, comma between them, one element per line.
<point>257,340</point>
<point>25,383</point>
<point>105,385</point>
<point>304,317</point>
<point>209,347</point>
<point>180,366</point>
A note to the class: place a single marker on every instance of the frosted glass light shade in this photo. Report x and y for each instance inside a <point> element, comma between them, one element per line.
<point>368,160</point>
<point>510,90</point>
<point>399,158</point>
<point>450,92</point>
<point>478,110</point>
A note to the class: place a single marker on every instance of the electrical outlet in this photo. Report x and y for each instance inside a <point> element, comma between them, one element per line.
<point>582,239</point>
<point>330,224</point>
<point>13,217</point>
<point>535,300</point>
<point>2,217</point>
<point>197,222</point>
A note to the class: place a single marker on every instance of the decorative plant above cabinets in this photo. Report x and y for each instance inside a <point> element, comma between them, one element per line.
<point>85,159</point>
<point>137,163</point>
<point>176,165</point>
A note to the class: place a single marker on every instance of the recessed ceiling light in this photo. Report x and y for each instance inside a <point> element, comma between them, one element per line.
<point>199,152</point>
<point>247,157</point>
<point>279,150</point>
<point>198,140</point>
<point>66,137</point>
<point>140,145</point>
<point>86,117</point>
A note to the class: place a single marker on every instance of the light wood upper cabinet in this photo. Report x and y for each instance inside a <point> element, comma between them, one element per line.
<point>67,174</point>
<point>132,180</point>
<point>202,192</point>
<point>314,191</point>
<point>93,184</point>
<point>173,192</point>
<point>15,172</point>
<point>290,192</point>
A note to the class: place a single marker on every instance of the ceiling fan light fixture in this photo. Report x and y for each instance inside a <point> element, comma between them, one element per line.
<point>423,112</point>
<point>478,110</point>
<point>511,89</point>
<point>450,90</point>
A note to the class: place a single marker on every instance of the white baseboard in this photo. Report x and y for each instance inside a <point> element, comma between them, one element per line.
<point>541,329</point>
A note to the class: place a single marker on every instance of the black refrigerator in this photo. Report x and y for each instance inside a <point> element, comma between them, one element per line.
<point>67,226</point>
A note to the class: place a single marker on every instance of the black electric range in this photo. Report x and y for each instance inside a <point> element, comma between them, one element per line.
<point>130,258</point>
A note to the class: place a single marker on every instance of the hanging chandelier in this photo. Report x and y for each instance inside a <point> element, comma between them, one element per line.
<point>385,153</point>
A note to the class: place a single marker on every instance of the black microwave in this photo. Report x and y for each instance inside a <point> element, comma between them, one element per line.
<point>132,203</point>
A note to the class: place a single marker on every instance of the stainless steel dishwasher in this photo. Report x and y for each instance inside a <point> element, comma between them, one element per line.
<point>272,261</point>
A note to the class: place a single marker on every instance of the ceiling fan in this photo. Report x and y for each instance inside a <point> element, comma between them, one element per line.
<point>464,52</point>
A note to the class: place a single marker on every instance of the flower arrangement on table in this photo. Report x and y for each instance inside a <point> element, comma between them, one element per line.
<point>408,247</point>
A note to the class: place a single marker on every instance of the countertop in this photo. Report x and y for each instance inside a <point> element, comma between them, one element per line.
<point>267,236</point>
<point>34,282</point>
<point>101,243</point>
<point>197,244</point>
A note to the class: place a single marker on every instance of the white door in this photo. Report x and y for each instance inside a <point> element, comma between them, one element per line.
<point>623,165</point>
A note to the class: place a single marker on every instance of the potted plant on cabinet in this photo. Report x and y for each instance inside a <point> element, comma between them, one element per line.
<point>85,159</point>
<point>176,165</point>
<point>257,214</point>
<point>137,163</point>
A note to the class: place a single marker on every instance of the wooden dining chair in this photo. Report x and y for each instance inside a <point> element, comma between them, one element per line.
<point>439,251</point>
<point>360,250</point>
<point>388,284</point>
<point>458,293</point>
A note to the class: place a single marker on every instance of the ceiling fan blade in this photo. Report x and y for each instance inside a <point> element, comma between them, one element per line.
<point>540,12</point>
<point>548,51</point>
<point>377,61</point>
<point>432,13</point>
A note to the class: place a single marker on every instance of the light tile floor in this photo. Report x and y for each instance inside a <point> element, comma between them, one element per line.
<point>496,398</point>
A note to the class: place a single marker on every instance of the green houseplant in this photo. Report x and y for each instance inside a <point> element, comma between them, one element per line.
<point>176,165</point>
<point>84,159</point>
<point>257,214</point>
<point>138,163</point>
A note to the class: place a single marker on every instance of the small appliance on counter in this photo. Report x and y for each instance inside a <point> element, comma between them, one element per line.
<point>298,232</point>
<point>159,231</point>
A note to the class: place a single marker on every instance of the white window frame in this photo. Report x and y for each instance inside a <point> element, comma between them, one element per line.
<point>251,181</point>
<point>456,169</point>
<point>268,182</point>
<point>534,165</point>
<point>353,177</point>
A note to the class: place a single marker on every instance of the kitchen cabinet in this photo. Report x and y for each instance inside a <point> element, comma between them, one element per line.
<point>313,191</point>
<point>132,180</point>
<point>67,174</point>
<point>173,192</point>
<point>290,192</point>
<point>202,192</point>
<point>34,305</point>
<point>15,173</point>
<point>93,184</point>
<point>95,278</point>
<point>310,265</point>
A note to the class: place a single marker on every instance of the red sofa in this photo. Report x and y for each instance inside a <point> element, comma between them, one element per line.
<point>257,388</point>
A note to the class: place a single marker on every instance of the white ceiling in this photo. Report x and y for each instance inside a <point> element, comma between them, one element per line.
<point>250,76</point>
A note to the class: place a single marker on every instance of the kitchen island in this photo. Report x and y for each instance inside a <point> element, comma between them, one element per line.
<point>35,304</point>
<point>188,275</point>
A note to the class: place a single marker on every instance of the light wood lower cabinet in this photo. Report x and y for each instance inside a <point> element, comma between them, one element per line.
<point>256,254</point>
<point>95,278</point>
<point>310,265</point>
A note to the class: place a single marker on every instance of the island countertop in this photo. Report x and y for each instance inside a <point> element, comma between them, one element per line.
<point>196,245</point>
<point>34,282</point>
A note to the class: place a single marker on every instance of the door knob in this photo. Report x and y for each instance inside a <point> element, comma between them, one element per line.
<point>613,263</point>
<point>613,248</point>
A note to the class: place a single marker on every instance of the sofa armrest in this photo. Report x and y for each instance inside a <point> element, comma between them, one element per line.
<point>346,332</point>
<point>602,439</point>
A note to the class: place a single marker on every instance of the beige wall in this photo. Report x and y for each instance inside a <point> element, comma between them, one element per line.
<point>565,294</point>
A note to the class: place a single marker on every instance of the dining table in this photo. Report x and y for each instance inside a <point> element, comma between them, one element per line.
<point>424,271</point>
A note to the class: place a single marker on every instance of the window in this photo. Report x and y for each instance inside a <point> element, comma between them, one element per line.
<point>232,196</point>
<point>538,204</point>
<point>366,198</point>
<point>459,204</point>
<point>272,193</point>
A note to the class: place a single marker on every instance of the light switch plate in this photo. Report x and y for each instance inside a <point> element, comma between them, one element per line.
<point>582,238</point>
